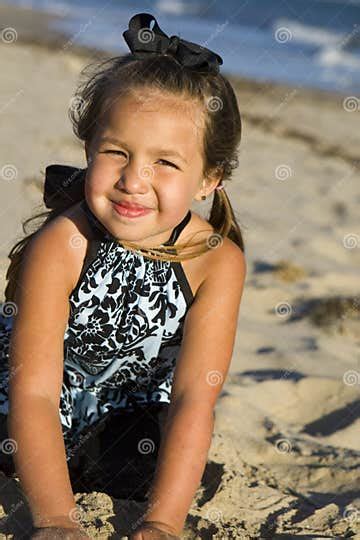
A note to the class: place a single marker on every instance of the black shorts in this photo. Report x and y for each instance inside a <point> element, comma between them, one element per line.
<point>117,457</point>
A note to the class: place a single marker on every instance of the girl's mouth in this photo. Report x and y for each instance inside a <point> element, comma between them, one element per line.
<point>131,212</point>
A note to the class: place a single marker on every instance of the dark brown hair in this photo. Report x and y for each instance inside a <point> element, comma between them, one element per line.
<point>121,75</point>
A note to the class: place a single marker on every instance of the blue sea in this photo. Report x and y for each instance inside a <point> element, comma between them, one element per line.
<point>307,43</point>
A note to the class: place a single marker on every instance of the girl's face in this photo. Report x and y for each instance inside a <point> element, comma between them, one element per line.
<point>147,151</point>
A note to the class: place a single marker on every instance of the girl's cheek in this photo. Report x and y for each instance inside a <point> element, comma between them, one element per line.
<point>167,185</point>
<point>101,176</point>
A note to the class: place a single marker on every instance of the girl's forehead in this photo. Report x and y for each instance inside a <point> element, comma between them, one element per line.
<point>158,103</point>
<point>165,112</point>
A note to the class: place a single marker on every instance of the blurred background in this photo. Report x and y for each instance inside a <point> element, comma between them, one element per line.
<point>313,43</point>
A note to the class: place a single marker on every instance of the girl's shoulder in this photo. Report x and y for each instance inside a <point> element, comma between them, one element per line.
<point>71,232</point>
<point>199,229</point>
<point>200,268</point>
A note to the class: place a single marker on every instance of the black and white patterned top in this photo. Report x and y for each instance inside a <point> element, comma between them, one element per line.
<point>123,333</point>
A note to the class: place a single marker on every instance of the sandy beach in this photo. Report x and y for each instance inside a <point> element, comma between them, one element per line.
<point>285,455</point>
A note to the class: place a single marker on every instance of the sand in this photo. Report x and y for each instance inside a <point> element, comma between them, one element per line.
<point>285,455</point>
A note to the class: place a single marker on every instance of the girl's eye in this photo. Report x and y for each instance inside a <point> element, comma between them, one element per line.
<point>120,152</point>
<point>168,163</point>
<point>113,152</point>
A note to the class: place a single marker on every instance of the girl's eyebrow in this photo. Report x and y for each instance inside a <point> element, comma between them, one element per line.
<point>163,151</point>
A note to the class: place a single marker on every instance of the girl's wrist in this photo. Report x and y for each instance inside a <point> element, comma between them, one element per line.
<point>64,521</point>
<point>162,526</point>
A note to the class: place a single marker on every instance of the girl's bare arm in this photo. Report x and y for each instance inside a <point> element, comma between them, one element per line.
<point>201,368</point>
<point>49,271</point>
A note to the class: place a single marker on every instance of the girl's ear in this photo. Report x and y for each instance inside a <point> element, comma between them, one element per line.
<point>209,183</point>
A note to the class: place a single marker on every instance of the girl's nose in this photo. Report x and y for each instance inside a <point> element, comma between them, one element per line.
<point>136,177</point>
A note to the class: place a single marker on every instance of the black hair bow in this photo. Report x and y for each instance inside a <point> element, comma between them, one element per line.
<point>64,186</point>
<point>143,40</point>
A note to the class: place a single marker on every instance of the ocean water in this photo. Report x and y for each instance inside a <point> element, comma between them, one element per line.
<point>306,43</point>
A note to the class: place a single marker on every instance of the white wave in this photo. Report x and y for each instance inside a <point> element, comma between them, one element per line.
<point>331,56</point>
<point>318,36</point>
<point>66,9</point>
<point>58,8</point>
<point>333,48</point>
<point>177,7</point>
<point>314,35</point>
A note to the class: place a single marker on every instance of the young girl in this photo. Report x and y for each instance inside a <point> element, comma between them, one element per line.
<point>124,298</point>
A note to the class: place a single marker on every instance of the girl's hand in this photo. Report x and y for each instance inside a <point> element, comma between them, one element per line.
<point>146,531</point>
<point>59,533</point>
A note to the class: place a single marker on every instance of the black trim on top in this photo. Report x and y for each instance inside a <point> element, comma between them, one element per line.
<point>93,243</point>
<point>99,230</point>
<point>179,227</point>
<point>183,281</point>
<point>91,253</point>
<point>178,267</point>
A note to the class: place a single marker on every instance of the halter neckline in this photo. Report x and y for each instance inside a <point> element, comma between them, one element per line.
<point>102,232</point>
